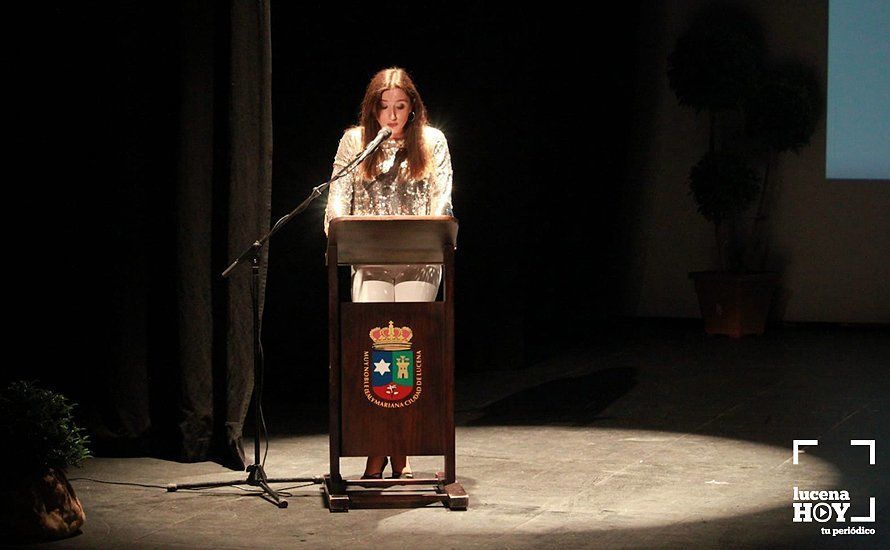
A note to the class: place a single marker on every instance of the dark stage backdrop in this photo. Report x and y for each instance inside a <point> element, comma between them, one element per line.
<point>127,108</point>
<point>154,139</point>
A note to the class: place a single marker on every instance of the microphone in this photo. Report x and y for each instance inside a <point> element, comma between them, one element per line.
<point>383,134</point>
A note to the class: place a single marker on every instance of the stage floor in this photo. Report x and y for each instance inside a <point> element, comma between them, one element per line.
<point>664,437</point>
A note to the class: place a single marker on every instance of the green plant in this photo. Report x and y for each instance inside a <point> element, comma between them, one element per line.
<point>37,427</point>
<point>716,62</point>
<point>723,186</point>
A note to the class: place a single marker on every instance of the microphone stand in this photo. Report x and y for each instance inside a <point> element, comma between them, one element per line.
<point>256,473</point>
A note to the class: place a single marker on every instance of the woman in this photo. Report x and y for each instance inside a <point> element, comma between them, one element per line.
<point>409,174</point>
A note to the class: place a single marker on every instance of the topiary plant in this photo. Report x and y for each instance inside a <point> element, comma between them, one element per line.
<point>723,186</point>
<point>718,66</point>
<point>714,67</point>
<point>716,62</point>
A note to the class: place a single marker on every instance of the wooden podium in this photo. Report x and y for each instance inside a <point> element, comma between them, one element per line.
<point>392,364</point>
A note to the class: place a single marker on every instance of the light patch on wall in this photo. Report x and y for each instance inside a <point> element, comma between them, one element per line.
<point>858,110</point>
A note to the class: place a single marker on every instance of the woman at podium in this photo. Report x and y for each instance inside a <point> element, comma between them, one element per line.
<point>410,175</point>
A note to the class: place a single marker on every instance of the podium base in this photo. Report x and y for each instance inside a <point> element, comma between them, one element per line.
<point>343,494</point>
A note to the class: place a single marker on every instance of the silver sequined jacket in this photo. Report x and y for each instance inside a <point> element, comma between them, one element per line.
<point>393,192</point>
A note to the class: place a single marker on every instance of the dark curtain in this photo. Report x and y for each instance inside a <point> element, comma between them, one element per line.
<point>180,371</point>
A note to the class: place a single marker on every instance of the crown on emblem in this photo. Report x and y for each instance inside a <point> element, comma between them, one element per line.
<point>391,338</point>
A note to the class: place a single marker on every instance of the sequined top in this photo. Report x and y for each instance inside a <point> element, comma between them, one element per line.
<point>393,192</point>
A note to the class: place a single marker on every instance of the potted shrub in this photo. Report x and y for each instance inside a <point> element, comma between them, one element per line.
<point>756,113</point>
<point>733,300</point>
<point>37,427</point>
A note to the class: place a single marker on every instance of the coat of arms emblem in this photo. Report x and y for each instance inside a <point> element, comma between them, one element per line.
<point>392,372</point>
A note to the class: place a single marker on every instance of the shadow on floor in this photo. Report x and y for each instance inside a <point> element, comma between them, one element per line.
<point>576,401</point>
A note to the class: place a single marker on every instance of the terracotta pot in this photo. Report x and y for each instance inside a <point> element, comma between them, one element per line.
<point>735,304</point>
<point>40,507</point>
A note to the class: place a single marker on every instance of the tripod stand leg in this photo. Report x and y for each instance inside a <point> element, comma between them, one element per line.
<point>273,495</point>
<point>258,478</point>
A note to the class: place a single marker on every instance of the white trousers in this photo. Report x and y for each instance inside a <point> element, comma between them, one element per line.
<point>395,283</point>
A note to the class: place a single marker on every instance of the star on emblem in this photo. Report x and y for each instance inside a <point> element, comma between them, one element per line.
<point>381,367</point>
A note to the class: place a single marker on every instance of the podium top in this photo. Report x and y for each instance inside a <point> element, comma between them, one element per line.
<point>392,239</point>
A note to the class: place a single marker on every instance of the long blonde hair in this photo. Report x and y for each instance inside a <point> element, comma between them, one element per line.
<point>415,149</point>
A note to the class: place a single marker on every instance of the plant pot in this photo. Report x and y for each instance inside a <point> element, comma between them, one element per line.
<point>40,507</point>
<point>735,304</point>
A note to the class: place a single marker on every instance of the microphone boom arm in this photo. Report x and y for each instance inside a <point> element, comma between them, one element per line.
<point>253,249</point>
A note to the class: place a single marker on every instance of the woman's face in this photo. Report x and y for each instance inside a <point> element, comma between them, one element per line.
<point>393,111</point>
